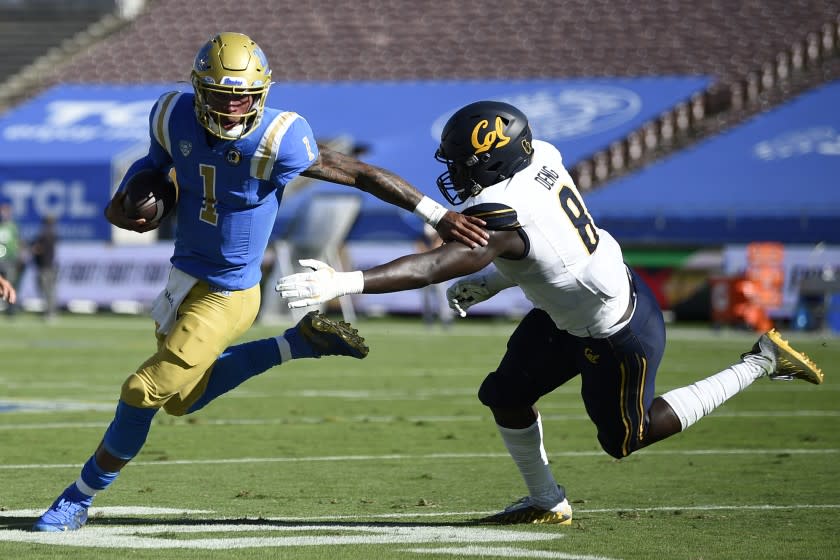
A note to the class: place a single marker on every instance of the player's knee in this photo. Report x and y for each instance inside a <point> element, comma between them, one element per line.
<point>137,391</point>
<point>488,393</point>
<point>176,407</point>
<point>504,391</point>
<point>134,391</point>
<point>614,447</point>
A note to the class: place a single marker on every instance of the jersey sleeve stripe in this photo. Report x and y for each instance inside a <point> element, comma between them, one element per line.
<point>160,120</point>
<point>497,216</point>
<point>266,153</point>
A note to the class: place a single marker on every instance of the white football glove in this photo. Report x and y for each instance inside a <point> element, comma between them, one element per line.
<point>476,288</point>
<point>319,286</point>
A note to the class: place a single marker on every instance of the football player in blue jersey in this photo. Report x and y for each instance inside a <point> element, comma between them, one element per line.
<point>593,316</point>
<point>232,158</point>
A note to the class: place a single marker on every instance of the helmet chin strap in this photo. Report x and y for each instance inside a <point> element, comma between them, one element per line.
<point>472,190</point>
<point>233,132</point>
<point>475,189</point>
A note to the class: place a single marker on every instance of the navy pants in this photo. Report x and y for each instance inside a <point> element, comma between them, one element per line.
<point>618,373</point>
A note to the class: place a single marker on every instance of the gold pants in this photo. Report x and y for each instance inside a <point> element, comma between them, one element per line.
<point>177,374</point>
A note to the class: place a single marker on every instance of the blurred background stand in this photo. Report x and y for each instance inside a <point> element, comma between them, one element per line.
<point>818,307</point>
<point>317,232</point>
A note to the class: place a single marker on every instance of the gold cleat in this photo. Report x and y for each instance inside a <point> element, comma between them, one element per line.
<point>788,364</point>
<point>524,511</point>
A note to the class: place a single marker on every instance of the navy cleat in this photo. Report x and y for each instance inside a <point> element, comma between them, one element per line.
<point>66,514</point>
<point>324,337</point>
<point>782,361</point>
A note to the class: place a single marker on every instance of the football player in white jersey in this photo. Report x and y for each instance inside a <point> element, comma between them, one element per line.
<point>593,316</point>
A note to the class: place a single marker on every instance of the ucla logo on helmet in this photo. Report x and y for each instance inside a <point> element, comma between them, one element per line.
<point>495,136</point>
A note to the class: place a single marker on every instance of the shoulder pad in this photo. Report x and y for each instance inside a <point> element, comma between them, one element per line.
<point>269,144</point>
<point>499,217</point>
<point>159,119</point>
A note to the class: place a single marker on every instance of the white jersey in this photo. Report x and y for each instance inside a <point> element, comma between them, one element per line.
<point>572,270</point>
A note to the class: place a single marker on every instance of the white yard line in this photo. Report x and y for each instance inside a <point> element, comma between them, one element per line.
<point>427,456</point>
<point>361,418</point>
<point>224,533</point>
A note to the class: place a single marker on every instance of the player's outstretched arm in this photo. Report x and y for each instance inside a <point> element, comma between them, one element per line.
<point>336,167</point>
<point>450,260</point>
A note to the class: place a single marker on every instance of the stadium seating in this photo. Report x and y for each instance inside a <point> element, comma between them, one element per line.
<point>46,31</point>
<point>405,39</point>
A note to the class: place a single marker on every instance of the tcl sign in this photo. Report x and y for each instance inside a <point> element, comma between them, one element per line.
<point>49,198</point>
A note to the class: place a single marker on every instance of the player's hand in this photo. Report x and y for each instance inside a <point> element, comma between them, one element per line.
<point>115,214</point>
<point>476,288</point>
<point>468,230</point>
<point>7,291</point>
<point>319,286</point>
<point>465,293</point>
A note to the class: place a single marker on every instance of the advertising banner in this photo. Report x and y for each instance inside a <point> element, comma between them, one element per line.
<point>62,152</point>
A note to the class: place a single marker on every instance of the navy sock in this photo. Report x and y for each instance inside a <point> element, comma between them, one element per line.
<point>236,365</point>
<point>94,477</point>
<point>298,345</point>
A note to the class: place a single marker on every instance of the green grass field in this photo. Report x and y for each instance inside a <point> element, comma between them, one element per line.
<point>393,456</point>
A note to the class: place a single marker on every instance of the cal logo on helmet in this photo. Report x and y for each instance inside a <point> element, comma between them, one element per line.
<point>495,136</point>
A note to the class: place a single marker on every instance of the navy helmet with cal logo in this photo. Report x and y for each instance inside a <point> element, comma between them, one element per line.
<point>482,144</point>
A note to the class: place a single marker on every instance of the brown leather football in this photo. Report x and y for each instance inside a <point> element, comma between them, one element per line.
<point>149,194</point>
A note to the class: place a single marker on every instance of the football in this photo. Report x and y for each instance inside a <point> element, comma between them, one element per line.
<point>149,194</point>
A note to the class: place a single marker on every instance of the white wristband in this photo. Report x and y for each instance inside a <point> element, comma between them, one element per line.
<point>351,282</point>
<point>430,211</point>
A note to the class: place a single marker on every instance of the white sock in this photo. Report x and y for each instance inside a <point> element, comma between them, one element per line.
<point>695,401</point>
<point>285,349</point>
<point>526,448</point>
<point>85,489</point>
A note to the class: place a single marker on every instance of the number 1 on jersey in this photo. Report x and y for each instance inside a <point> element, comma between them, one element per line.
<point>208,209</point>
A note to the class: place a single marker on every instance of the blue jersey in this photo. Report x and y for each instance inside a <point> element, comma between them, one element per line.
<point>229,190</point>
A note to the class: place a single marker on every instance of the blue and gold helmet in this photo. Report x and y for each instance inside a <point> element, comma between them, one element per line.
<point>482,144</point>
<point>230,63</point>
